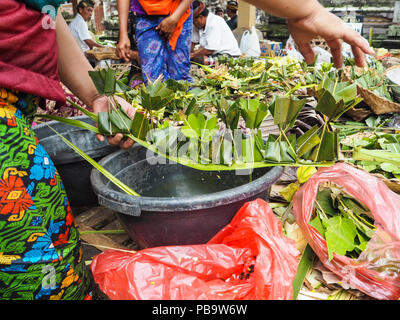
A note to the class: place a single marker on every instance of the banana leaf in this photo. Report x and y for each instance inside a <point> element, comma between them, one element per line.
<point>327,84</point>
<point>167,140</point>
<point>253,112</point>
<point>346,92</point>
<point>327,150</point>
<point>335,98</point>
<point>279,151</point>
<point>109,82</point>
<point>197,126</point>
<point>98,80</point>
<point>303,268</point>
<point>104,123</point>
<point>381,156</point>
<point>251,151</point>
<point>308,141</point>
<point>285,110</point>
<point>104,81</point>
<point>120,120</point>
<point>156,95</point>
<point>139,125</point>
<point>228,112</point>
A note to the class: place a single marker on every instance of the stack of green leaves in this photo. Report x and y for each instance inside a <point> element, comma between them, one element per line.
<point>320,142</point>
<point>345,223</point>
<point>372,79</point>
<point>372,146</point>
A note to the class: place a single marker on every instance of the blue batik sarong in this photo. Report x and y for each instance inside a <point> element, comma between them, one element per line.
<point>156,54</point>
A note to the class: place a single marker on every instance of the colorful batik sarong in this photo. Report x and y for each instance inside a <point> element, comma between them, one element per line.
<point>40,253</point>
<point>156,55</point>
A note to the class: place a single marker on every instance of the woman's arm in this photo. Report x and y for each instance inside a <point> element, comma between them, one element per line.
<point>201,52</point>
<point>290,9</point>
<point>92,44</point>
<point>311,19</point>
<point>73,70</point>
<point>168,25</point>
<point>124,44</point>
<point>73,66</point>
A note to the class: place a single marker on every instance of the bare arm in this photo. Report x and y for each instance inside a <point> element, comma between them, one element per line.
<point>181,9</point>
<point>73,66</point>
<point>200,52</point>
<point>168,25</point>
<point>92,44</point>
<point>73,70</point>
<point>124,44</point>
<point>311,19</point>
<point>290,9</point>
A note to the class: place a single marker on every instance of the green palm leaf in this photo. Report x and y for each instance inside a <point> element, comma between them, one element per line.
<point>103,171</point>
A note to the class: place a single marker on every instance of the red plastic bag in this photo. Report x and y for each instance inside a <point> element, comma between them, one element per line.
<point>376,272</point>
<point>248,259</point>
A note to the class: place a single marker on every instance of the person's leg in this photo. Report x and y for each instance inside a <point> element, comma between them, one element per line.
<point>178,61</point>
<point>40,253</point>
<point>151,48</point>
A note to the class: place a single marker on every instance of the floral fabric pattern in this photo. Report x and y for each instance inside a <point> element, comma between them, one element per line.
<point>40,253</point>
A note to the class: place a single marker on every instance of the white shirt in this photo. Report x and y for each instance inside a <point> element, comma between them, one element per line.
<point>216,36</point>
<point>80,31</point>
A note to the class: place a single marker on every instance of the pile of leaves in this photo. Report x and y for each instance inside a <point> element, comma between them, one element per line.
<point>252,77</point>
<point>371,78</point>
<point>313,279</point>
<point>371,146</point>
<point>345,223</point>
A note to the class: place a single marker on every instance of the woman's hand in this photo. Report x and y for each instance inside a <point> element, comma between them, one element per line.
<point>100,104</point>
<point>167,27</point>
<point>320,22</point>
<point>124,47</point>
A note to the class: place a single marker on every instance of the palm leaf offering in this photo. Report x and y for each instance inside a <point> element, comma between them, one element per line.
<point>320,143</point>
<point>208,114</point>
<point>371,78</point>
<point>346,224</point>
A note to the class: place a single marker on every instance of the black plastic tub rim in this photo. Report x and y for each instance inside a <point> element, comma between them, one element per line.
<point>133,205</point>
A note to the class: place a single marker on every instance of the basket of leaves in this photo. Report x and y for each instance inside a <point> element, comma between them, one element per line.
<point>373,87</point>
<point>103,53</point>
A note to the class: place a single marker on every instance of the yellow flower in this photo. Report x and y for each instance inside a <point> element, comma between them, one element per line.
<point>12,98</point>
<point>7,112</point>
<point>8,96</point>
<point>58,296</point>
<point>71,278</point>
<point>3,93</point>
<point>7,259</point>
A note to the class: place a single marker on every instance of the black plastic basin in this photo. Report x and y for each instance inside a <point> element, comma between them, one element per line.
<point>178,205</point>
<point>73,169</point>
